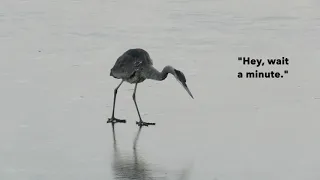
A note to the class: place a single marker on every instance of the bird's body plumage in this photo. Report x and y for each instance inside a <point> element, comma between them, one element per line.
<point>131,65</point>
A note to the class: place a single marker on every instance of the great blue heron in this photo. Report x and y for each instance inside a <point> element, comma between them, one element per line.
<point>134,66</point>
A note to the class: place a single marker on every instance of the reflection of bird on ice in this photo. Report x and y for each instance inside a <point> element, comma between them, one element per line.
<point>129,167</point>
<point>134,167</point>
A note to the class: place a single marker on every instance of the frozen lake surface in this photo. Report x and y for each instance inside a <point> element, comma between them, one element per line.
<point>56,92</point>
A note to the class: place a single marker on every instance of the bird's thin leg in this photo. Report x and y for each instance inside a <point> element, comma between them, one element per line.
<point>113,119</point>
<point>115,97</point>
<point>134,99</point>
<point>140,123</point>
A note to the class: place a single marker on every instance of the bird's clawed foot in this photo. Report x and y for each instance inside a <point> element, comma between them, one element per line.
<point>114,120</point>
<point>141,123</point>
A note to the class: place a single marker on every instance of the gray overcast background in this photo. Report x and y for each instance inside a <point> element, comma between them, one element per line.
<point>56,92</point>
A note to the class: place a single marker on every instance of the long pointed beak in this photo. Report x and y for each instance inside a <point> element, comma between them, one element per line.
<point>186,88</point>
<point>183,83</point>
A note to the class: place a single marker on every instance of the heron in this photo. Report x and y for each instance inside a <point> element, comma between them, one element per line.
<point>135,66</point>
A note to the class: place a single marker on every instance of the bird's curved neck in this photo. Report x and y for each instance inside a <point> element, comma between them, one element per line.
<point>156,75</point>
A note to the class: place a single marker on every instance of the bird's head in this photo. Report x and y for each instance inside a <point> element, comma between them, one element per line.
<point>182,80</point>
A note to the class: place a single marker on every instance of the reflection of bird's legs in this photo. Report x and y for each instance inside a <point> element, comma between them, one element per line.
<point>114,137</point>
<point>113,119</point>
<point>140,123</point>
<point>137,137</point>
